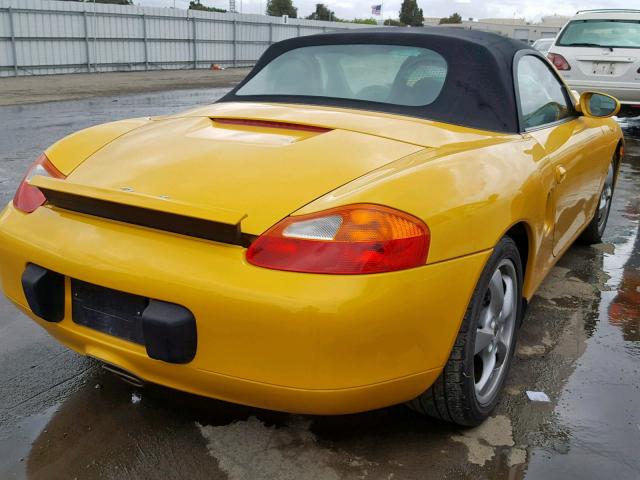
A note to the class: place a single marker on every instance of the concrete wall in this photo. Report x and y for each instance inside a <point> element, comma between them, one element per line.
<point>46,37</point>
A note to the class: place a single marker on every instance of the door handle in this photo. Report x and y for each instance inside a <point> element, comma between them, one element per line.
<point>561,174</point>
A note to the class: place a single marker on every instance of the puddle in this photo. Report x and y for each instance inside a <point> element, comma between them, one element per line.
<point>597,420</point>
<point>16,448</point>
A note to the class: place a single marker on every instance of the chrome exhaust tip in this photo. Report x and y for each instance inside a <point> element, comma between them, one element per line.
<point>125,376</point>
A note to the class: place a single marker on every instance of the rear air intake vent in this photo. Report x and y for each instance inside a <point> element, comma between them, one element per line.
<point>246,122</point>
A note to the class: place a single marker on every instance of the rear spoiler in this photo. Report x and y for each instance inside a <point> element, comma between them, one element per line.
<point>161,213</point>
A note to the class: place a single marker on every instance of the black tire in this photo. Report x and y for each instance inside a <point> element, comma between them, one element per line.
<point>452,397</point>
<point>595,230</point>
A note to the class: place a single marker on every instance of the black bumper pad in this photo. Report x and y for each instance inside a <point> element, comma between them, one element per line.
<point>169,332</point>
<point>44,291</point>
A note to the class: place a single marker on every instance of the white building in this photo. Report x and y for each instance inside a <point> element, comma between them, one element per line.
<point>517,28</point>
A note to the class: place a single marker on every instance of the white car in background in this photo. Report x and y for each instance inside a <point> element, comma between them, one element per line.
<point>543,45</point>
<point>599,50</point>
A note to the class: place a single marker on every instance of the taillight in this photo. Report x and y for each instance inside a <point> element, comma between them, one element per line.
<point>28,197</point>
<point>360,238</point>
<point>558,61</point>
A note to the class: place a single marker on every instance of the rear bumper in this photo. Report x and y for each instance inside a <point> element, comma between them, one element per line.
<point>624,92</point>
<point>239,390</point>
<point>279,340</point>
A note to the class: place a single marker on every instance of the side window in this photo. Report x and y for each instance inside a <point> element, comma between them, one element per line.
<point>542,98</point>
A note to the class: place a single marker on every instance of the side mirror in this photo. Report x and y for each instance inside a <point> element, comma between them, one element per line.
<point>598,105</point>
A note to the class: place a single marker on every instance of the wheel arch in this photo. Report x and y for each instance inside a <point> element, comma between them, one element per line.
<point>522,235</point>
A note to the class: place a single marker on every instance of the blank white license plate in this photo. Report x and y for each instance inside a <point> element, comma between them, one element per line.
<point>604,68</point>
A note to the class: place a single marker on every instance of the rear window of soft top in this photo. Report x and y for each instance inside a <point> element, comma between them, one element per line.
<point>399,75</point>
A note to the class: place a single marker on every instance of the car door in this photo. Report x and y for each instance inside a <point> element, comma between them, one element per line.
<point>569,141</point>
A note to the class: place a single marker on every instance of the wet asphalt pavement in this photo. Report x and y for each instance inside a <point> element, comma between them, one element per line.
<point>61,416</point>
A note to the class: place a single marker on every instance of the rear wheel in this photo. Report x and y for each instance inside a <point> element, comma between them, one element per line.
<point>468,388</point>
<point>595,230</point>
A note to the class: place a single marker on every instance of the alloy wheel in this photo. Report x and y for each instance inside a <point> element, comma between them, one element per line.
<point>495,331</point>
<point>605,199</point>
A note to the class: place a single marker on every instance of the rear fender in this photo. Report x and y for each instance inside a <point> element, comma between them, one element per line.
<point>66,154</point>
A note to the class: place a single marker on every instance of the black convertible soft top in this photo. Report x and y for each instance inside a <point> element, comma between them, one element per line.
<point>478,91</point>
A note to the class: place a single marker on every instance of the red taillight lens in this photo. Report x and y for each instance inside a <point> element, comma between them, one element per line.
<point>559,61</point>
<point>28,197</point>
<point>346,240</point>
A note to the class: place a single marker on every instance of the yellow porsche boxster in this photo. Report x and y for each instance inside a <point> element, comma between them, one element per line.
<point>359,223</point>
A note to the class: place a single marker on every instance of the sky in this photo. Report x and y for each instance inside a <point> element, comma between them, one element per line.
<point>532,10</point>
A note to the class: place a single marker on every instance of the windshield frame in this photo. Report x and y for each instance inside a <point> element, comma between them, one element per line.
<point>559,41</point>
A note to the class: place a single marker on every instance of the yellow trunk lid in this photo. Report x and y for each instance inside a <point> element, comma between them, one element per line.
<point>195,164</point>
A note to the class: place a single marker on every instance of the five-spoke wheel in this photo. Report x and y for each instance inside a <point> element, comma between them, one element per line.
<point>495,331</point>
<point>595,229</point>
<point>604,205</point>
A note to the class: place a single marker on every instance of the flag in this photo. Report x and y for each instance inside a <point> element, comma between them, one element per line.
<point>376,9</point>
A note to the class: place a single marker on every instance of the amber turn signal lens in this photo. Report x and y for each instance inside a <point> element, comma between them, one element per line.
<point>354,239</point>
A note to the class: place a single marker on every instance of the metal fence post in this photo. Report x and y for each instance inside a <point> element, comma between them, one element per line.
<point>270,33</point>
<point>13,43</point>
<point>195,46</point>
<point>235,42</point>
<point>146,44</point>
<point>86,40</point>
<point>297,30</point>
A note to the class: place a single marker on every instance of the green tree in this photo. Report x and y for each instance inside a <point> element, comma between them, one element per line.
<point>454,18</point>
<point>322,13</point>
<point>411,14</point>
<point>392,22</point>
<point>365,21</point>
<point>196,5</point>
<point>277,8</point>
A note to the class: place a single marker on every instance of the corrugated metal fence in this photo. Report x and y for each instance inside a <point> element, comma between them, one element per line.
<point>45,37</point>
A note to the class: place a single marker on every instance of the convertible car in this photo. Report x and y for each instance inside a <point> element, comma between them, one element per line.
<point>359,223</point>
